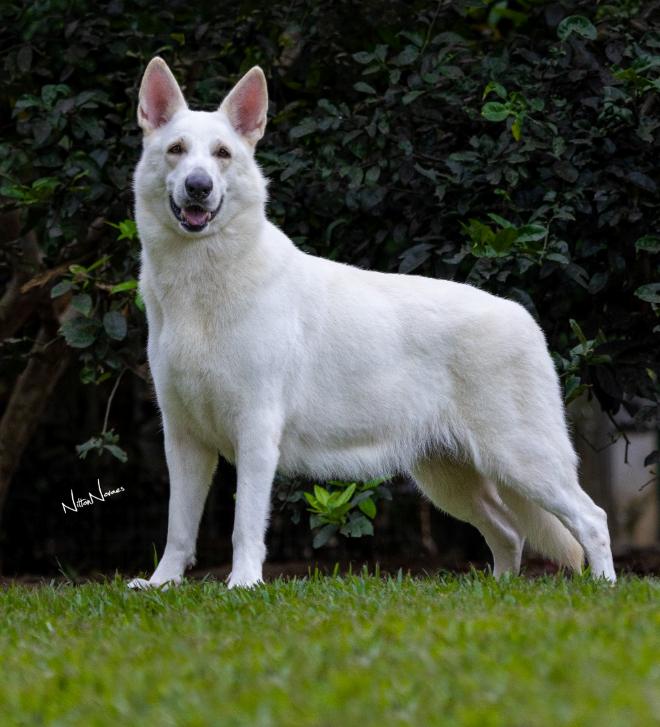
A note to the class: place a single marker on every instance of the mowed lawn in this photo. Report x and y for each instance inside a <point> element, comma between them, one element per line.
<point>337,651</point>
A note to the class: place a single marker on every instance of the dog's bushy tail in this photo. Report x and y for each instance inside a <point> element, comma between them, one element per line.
<point>543,531</point>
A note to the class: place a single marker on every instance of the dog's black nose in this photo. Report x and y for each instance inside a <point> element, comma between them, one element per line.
<point>198,184</point>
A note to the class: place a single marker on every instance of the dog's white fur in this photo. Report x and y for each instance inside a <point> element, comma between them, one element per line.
<point>284,361</point>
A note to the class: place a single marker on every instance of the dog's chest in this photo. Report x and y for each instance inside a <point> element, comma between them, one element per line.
<point>199,375</point>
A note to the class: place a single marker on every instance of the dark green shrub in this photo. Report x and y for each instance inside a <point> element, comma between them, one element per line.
<point>510,145</point>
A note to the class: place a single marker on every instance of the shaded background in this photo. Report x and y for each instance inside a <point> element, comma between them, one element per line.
<point>511,145</point>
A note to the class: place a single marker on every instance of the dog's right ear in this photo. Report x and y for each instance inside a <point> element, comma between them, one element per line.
<point>160,96</point>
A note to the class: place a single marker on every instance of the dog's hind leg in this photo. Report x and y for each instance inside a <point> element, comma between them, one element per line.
<point>542,470</point>
<point>459,490</point>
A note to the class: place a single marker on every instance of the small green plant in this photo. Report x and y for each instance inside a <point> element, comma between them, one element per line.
<point>505,238</point>
<point>514,105</point>
<point>582,356</point>
<point>107,441</point>
<point>347,508</point>
<point>577,25</point>
<point>100,307</point>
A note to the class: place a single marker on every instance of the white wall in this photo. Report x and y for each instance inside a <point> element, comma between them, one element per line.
<point>627,490</point>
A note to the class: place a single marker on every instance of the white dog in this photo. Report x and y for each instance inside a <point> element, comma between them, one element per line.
<point>283,361</point>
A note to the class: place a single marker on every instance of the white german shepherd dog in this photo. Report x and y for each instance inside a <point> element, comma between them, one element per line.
<point>284,361</point>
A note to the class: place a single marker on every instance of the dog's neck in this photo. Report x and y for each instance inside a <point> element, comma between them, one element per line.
<point>240,256</point>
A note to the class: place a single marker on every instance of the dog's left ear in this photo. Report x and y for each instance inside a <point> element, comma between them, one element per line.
<point>246,105</point>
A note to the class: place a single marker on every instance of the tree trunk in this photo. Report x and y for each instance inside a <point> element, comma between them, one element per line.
<point>49,359</point>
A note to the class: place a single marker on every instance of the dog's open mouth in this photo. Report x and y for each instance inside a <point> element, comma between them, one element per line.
<point>194,217</point>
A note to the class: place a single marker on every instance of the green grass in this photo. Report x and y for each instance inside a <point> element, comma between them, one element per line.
<point>340,651</point>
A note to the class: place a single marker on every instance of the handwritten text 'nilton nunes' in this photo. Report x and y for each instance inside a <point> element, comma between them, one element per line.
<point>83,502</point>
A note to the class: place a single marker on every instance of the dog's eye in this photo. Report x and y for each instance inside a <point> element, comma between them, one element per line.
<point>175,149</point>
<point>222,152</point>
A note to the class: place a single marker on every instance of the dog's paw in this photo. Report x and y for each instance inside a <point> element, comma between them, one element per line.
<point>140,584</point>
<point>243,581</point>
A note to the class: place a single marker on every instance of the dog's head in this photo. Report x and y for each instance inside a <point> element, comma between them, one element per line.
<point>197,170</point>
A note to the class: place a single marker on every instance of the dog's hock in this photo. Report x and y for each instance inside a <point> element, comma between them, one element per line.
<point>160,96</point>
<point>246,106</point>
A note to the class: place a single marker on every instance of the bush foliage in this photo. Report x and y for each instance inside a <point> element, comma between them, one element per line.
<point>510,145</point>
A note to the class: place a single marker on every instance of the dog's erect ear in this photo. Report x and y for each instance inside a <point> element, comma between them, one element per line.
<point>160,96</point>
<point>247,105</point>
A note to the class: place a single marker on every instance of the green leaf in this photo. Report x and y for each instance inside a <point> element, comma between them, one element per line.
<point>363,57</point>
<point>86,447</point>
<point>598,282</point>
<point>573,388</point>
<point>516,128</point>
<point>356,175</point>
<point>407,56</point>
<point>503,241</point>
<point>531,233</point>
<point>116,452</point>
<point>575,327</point>
<point>323,535</point>
<point>410,97</point>
<point>24,59</point>
<point>97,264</point>
<point>45,186</point>
<point>495,111</point>
<point>321,494</point>
<point>652,458</point>
<point>363,87</point>
<point>558,258</point>
<point>489,243</point>
<point>345,495</point>
<point>648,243</point>
<point>61,288</point>
<point>494,87</point>
<point>364,495</point>
<point>371,177</point>
<point>80,332</point>
<point>413,37</point>
<point>372,484</point>
<point>122,287</point>
<point>305,127</point>
<point>368,507</point>
<point>88,375</point>
<point>649,293</point>
<point>128,230</point>
<point>50,92</point>
<point>311,499</point>
<point>357,527</point>
<point>115,325</point>
<point>82,303</point>
<point>577,24</point>
<point>501,221</point>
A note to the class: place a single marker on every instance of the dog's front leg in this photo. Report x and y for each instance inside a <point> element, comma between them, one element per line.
<point>191,465</point>
<point>256,461</point>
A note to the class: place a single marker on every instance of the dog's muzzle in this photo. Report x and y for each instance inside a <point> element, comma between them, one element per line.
<point>193,217</point>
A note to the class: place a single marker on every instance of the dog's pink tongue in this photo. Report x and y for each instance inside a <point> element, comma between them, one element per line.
<point>196,215</point>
